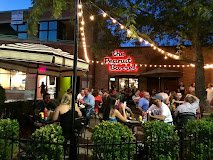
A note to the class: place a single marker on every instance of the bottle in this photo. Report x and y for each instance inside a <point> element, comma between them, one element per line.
<point>41,115</point>
<point>45,113</point>
<point>140,119</point>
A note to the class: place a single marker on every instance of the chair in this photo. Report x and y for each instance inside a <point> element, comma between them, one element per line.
<point>183,118</point>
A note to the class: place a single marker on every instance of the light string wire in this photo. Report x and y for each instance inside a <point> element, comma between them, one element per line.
<point>114,21</point>
<point>82,31</point>
<point>146,41</point>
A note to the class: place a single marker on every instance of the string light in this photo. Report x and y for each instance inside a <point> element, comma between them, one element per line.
<point>82,33</point>
<point>82,22</point>
<point>165,57</point>
<point>104,14</point>
<point>80,14</point>
<point>121,26</point>
<point>140,38</point>
<point>92,17</point>
<point>128,32</point>
<point>113,20</point>
<point>207,66</point>
<point>80,6</point>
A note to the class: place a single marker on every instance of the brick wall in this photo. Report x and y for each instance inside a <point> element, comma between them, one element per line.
<point>146,55</point>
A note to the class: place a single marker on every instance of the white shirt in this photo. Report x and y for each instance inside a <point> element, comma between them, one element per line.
<point>80,97</point>
<point>187,107</point>
<point>165,111</point>
<point>209,94</point>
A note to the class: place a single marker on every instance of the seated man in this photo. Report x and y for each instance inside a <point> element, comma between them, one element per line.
<point>187,110</point>
<point>46,103</point>
<point>143,104</point>
<point>191,104</point>
<point>165,113</point>
<point>89,103</point>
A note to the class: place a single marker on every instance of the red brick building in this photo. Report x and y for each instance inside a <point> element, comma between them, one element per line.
<point>154,72</point>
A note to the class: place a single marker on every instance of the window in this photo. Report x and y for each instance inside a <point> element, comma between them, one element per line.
<point>48,31</point>
<point>21,29</point>
<point>12,80</point>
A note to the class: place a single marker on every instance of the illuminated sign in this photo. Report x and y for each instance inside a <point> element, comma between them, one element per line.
<point>120,62</point>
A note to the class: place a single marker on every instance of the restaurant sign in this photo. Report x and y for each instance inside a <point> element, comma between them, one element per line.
<point>120,62</point>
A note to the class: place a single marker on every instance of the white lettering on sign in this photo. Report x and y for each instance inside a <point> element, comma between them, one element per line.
<point>119,62</point>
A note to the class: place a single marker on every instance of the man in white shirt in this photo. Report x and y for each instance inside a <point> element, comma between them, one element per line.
<point>190,105</point>
<point>165,113</point>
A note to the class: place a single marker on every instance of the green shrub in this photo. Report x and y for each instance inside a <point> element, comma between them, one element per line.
<point>9,133</point>
<point>47,143</point>
<point>199,136</point>
<point>161,140</point>
<point>112,141</point>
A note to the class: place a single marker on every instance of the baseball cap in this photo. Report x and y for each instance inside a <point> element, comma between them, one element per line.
<point>157,96</point>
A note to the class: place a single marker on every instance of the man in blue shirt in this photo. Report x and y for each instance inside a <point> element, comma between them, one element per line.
<point>143,103</point>
<point>89,103</point>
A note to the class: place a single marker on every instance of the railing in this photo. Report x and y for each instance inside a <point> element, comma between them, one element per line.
<point>192,147</point>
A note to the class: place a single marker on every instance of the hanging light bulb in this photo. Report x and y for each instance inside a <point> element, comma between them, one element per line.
<point>128,32</point>
<point>146,42</point>
<point>82,22</point>
<point>80,14</point>
<point>92,17</point>
<point>80,6</point>
<point>141,39</point>
<point>104,14</point>
<point>165,57</point>
<point>113,20</point>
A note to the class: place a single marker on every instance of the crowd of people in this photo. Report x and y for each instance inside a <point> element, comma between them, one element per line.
<point>118,106</point>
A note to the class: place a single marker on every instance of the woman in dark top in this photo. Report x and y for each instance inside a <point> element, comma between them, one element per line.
<point>63,113</point>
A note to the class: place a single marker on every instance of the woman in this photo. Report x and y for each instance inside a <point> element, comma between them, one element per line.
<point>64,114</point>
<point>112,114</point>
<point>98,102</point>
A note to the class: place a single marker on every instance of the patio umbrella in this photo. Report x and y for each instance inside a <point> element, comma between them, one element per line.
<point>161,72</point>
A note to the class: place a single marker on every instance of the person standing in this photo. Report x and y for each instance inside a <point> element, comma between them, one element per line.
<point>181,88</point>
<point>43,88</point>
<point>209,91</point>
<point>192,89</point>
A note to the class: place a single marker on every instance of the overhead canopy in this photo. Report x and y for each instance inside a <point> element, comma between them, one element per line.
<point>33,58</point>
<point>161,72</point>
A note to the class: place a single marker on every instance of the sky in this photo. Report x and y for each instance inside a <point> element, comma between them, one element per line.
<point>8,5</point>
